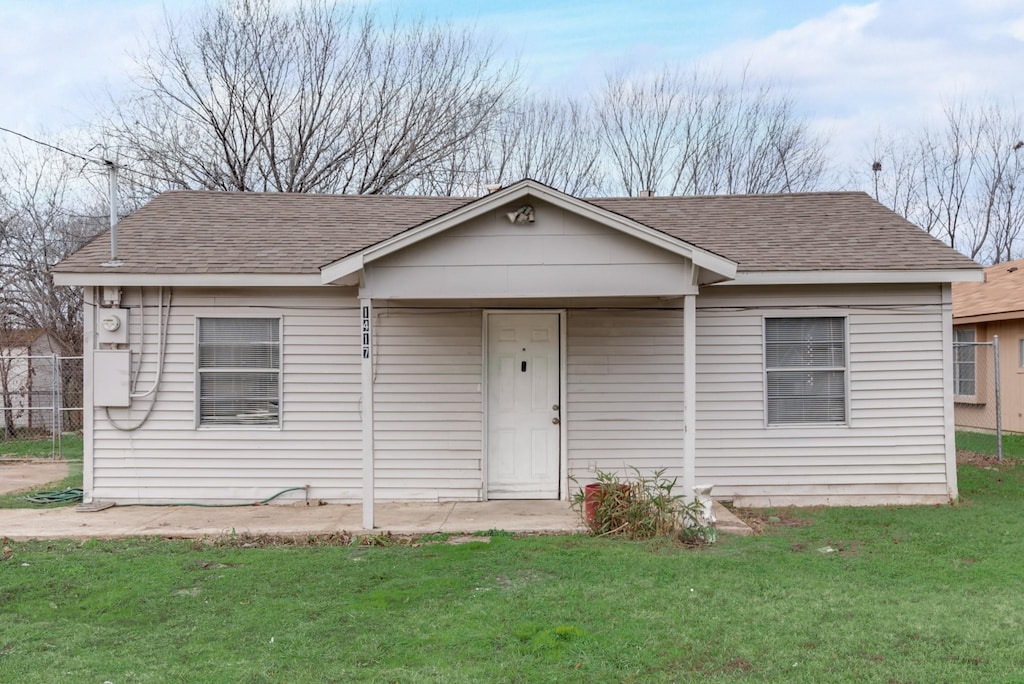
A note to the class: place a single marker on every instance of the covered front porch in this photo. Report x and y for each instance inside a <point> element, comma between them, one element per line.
<point>514,348</point>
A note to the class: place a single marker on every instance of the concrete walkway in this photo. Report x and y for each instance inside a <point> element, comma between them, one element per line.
<point>286,520</point>
<point>300,520</point>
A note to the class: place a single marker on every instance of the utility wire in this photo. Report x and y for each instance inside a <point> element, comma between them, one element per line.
<point>83,157</point>
<point>94,160</point>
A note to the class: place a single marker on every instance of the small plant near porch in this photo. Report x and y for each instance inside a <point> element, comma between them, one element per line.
<point>641,507</point>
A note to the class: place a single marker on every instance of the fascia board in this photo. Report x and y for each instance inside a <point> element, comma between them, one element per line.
<point>856,277</point>
<point>189,279</point>
<point>989,317</point>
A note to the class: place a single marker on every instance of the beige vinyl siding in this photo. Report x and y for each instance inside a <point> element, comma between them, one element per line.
<point>318,443</point>
<point>625,392</point>
<point>980,414</point>
<point>428,406</point>
<point>560,254</point>
<point>891,449</point>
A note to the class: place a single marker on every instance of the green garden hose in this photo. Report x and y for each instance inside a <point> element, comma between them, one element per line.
<point>228,505</point>
<point>57,496</point>
<point>75,495</point>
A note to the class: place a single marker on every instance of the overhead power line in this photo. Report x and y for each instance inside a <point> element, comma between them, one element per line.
<point>94,160</point>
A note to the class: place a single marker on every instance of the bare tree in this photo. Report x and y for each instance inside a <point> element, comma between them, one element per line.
<point>895,169</point>
<point>45,215</point>
<point>305,97</point>
<point>962,181</point>
<point>552,141</point>
<point>693,133</point>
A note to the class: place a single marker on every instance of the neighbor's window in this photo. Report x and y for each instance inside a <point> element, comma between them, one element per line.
<point>239,371</point>
<point>964,363</point>
<point>1020,352</point>
<point>805,360</point>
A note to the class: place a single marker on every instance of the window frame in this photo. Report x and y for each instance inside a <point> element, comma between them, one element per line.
<point>845,369</point>
<point>198,372</point>
<point>957,395</point>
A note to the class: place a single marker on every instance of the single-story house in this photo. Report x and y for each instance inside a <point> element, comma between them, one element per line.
<point>788,349</point>
<point>27,387</point>
<point>983,311</point>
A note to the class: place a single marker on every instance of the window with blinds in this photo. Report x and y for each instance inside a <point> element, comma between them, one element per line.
<point>239,365</point>
<point>805,362</point>
<point>964,363</point>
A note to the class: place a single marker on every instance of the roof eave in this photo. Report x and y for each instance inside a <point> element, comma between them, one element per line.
<point>825,277</point>
<point>110,278</point>
<point>988,317</point>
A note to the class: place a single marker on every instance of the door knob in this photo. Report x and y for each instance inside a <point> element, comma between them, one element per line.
<point>555,420</point>
<point>555,407</point>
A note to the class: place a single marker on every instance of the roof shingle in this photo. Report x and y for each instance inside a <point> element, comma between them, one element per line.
<point>221,232</point>
<point>1002,292</point>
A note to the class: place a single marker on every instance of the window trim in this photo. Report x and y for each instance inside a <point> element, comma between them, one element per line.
<point>957,396</point>
<point>196,373</point>
<point>846,422</point>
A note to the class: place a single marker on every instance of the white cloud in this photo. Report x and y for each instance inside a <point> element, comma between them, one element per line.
<point>1016,29</point>
<point>60,59</point>
<point>890,64</point>
<point>853,69</point>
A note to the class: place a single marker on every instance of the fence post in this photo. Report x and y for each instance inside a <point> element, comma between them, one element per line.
<point>999,403</point>
<point>59,375</point>
<point>54,406</point>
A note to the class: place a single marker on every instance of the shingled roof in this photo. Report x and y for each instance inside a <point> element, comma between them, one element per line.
<point>1000,296</point>
<point>274,233</point>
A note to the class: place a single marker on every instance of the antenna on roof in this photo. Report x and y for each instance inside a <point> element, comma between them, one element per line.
<point>111,187</point>
<point>112,199</point>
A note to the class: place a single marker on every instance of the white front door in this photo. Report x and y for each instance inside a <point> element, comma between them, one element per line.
<point>522,406</point>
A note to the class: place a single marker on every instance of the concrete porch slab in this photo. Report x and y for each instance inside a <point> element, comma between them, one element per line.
<point>405,518</point>
<point>727,522</point>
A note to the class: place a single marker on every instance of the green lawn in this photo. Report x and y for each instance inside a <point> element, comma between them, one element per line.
<point>70,448</point>
<point>42,448</point>
<point>72,481</point>
<point>911,594</point>
<point>984,443</point>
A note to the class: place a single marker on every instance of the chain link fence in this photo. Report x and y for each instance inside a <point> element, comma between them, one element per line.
<point>40,399</point>
<point>977,395</point>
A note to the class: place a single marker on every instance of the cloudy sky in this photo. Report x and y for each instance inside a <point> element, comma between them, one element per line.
<point>853,67</point>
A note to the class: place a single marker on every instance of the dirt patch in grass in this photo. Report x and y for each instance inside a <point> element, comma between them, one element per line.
<point>736,666</point>
<point>247,540</point>
<point>965,457</point>
<point>761,519</point>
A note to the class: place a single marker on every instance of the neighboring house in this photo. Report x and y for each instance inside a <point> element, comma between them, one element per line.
<point>27,396</point>
<point>789,349</point>
<point>981,311</point>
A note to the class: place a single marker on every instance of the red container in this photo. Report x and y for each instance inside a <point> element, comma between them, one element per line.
<point>594,494</point>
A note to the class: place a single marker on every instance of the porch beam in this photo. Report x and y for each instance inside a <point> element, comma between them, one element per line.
<point>366,406</point>
<point>689,391</point>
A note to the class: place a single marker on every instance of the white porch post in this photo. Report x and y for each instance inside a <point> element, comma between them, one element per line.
<point>366,406</point>
<point>689,391</point>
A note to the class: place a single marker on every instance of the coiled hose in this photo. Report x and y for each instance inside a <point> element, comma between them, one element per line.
<point>75,495</point>
<point>68,495</point>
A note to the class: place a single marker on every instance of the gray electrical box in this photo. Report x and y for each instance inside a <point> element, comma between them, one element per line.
<point>111,377</point>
